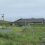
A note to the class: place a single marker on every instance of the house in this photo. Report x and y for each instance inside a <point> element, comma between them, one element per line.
<point>29,21</point>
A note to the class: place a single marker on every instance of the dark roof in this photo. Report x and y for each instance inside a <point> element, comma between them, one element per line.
<point>44,20</point>
<point>31,20</point>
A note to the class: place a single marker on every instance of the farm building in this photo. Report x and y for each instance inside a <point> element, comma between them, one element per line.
<point>29,21</point>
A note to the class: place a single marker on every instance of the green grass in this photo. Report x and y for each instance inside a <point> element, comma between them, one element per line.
<point>28,35</point>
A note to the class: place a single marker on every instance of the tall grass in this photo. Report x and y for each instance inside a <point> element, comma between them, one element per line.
<point>22,36</point>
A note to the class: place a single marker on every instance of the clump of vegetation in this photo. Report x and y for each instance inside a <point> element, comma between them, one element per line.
<point>23,36</point>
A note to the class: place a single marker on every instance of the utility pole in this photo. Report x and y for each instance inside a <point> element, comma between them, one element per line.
<point>3,17</point>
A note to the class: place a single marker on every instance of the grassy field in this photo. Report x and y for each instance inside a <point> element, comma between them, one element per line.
<point>25,35</point>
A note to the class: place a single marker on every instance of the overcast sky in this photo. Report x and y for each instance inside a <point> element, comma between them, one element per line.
<point>14,9</point>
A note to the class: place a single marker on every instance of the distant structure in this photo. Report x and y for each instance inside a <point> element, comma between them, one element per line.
<point>29,21</point>
<point>3,17</point>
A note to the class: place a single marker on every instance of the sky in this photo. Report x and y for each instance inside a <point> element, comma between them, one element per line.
<point>16,9</point>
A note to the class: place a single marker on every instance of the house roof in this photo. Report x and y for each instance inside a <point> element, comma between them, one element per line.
<point>44,20</point>
<point>31,20</point>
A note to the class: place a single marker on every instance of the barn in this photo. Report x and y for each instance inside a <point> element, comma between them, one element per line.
<point>29,21</point>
